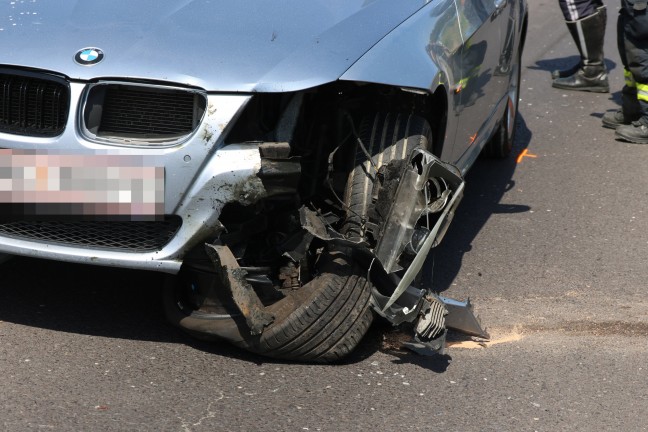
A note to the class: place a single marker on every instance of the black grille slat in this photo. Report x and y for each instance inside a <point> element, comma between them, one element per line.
<point>38,104</point>
<point>130,236</point>
<point>131,111</point>
<point>32,106</point>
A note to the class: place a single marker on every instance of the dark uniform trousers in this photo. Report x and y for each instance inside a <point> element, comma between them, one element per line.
<point>632,39</point>
<point>574,10</point>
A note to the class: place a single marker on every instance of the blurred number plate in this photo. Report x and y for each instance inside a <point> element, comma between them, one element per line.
<point>50,184</point>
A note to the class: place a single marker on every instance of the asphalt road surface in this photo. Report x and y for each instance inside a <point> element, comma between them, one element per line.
<point>552,250</point>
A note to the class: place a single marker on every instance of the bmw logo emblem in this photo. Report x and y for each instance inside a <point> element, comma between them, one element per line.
<point>89,56</point>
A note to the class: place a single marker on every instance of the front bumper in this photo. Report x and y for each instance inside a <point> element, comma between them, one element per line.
<point>201,176</point>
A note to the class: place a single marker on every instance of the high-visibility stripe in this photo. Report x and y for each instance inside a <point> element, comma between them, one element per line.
<point>581,38</point>
<point>642,92</point>
<point>629,79</point>
<point>572,9</point>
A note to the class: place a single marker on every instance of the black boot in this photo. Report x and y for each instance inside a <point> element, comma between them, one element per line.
<point>630,110</point>
<point>591,75</point>
<point>565,72</point>
<point>636,132</point>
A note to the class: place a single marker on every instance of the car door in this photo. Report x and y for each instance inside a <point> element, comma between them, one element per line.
<point>482,84</point>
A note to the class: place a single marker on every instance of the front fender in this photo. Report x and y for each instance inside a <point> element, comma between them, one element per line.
<point>419,54</point>
<point>422,54</point>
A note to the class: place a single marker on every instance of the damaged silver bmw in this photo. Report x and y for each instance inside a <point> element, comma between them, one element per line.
<point>288,164</point>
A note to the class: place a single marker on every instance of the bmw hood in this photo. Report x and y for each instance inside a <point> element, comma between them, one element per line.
<point>218,45</point>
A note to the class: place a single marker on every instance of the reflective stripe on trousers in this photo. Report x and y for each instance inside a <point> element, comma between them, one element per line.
<point>574,10</point>
<point>642,92</point>
<point>629,79</point>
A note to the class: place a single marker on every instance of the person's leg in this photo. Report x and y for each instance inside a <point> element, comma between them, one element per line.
<point>558,73</point>
<point>574,10</point>
<point>635,38</point>
<point>630,109</point>
<point>586,20</point>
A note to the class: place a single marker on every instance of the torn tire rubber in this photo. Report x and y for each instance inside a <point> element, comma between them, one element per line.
<point>323,321</point>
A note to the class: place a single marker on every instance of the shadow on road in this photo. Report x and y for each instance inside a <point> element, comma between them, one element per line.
<point>614,97</point>
<point>72,298</point>
<point>486,184</point>
<point>564,63</point>
<point>550,65</point>
<point>96,301</point>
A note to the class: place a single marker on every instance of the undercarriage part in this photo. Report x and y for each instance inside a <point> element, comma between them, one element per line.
<point>428,348</point>
<point>318,227</point>
<point>405,309</point>
<point>289,276</point>
<point>432,315</point>
<point>443,313</point>
<point>432,323</point>
<point>233,277</point>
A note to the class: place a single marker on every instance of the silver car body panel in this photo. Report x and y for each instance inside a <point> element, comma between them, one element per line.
<point>194,170</point>
<point>256,47</point>
<point>487,55</point>
<point>450,46</point>
<point>421,53</point>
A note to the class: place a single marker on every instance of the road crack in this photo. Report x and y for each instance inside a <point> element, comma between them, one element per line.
<point>187,425</point>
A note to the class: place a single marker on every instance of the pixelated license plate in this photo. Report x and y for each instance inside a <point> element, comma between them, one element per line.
<point>51,184</point>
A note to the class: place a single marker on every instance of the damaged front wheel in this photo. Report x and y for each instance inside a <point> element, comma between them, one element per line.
<point>323,321</point>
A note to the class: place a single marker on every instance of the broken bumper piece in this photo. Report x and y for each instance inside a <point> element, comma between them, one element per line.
<point>233,277</point>
<point>432,316</point>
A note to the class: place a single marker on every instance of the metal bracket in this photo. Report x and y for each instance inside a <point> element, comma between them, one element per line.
<point>317,226</point>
